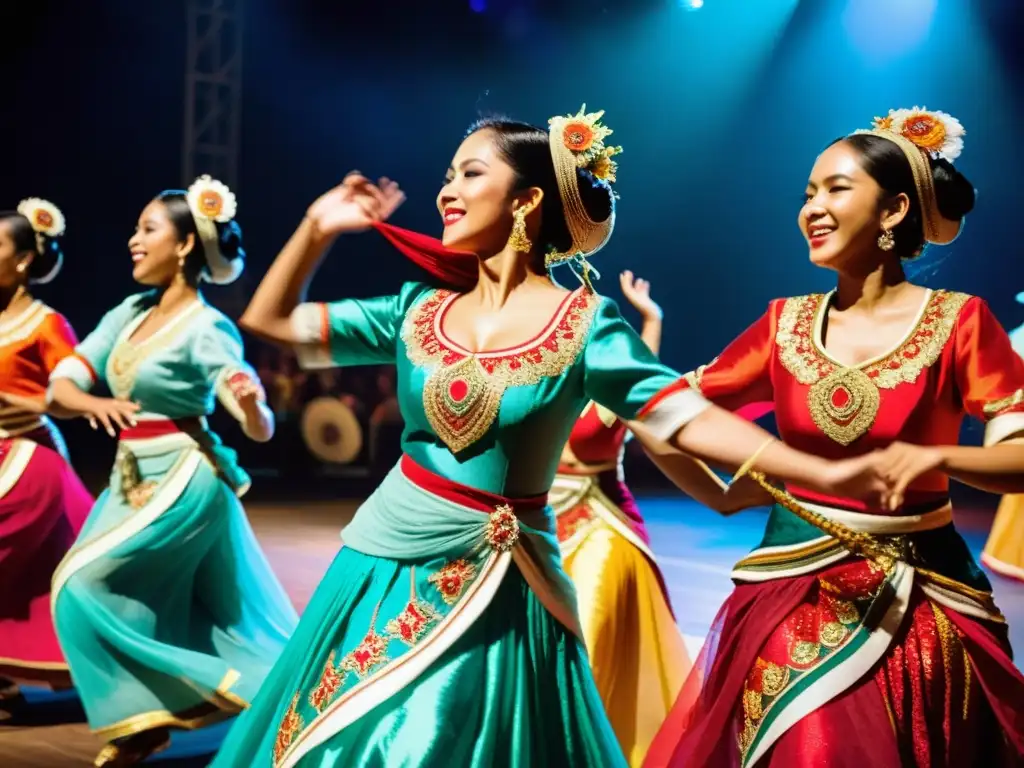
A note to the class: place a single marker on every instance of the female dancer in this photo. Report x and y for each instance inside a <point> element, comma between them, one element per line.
<point>42,502</point>
<point>166,608</point>
<point>895,656</point>
<point>424,645</point>
<point>636,651</point>
<point>1004,550</point>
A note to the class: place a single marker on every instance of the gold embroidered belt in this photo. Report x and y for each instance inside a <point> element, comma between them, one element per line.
<point>885,542</point>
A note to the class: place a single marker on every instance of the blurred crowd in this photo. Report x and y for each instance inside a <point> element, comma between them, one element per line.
<point>368,391</point>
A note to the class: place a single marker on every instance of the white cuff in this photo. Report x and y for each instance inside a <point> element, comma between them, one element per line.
<point>310,333</point>
<point>674,412</point>
<point>307,322</point>
<point>226,396</point>
<point>73,368</point>
<point>1004,427</point>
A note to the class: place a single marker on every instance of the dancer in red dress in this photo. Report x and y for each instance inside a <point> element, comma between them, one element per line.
<point>820,656</point>
<point>42,502</point>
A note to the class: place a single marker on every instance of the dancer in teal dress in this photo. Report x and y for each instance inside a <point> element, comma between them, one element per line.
<point>166,609</point>
<point>445,632</point>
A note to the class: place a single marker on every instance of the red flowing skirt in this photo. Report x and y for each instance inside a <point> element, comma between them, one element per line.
<point>945,693</point>
<point>41,514</point>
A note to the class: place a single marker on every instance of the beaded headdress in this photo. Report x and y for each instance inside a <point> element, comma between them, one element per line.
<point>921,135</point>
<point>578,141</point>
<point>211,202</point>
<point>47,221</point>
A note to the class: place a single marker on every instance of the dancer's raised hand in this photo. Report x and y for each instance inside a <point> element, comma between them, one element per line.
<point>638,293</point>
<point>354,205</point>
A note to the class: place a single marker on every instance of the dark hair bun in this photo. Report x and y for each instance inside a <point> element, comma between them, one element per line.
<point>230,240</point>
<point>953,192</point>
<point>597,195</point>
<point>598,201</point>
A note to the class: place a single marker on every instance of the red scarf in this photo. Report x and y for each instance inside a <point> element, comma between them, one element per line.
<point>458,269</point>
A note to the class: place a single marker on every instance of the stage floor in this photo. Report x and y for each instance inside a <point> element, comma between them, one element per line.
<point>695,547</point>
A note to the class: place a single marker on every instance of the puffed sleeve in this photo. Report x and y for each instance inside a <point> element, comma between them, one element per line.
<point>352,331</point>
<point>989,373</point>
<point>89,359</point>
<point>219,353</point>
<point>57,340</point>
<point>739,379</point>
<point>624,376</point>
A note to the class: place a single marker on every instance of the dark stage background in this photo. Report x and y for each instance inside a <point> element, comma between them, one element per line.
<point>721,110</point>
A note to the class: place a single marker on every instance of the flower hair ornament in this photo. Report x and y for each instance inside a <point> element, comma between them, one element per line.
<point>924,134</point>
<point>47,221</point>
<point>578,141</point>
<point>212,203</point>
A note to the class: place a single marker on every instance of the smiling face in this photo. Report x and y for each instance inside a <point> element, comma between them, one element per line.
<point>156,246</point>
<point>843,213</point>
<point>476,201</point>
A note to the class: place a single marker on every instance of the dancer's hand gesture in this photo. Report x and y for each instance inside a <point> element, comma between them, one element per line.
<point>904,463</point>
<point>864,477</point>
<point>354,205</point>
<point>111,412</point>
<point>638,293</point>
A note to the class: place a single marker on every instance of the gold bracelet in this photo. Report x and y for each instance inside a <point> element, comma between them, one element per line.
<point>749,463</point>
<point>711,473</point>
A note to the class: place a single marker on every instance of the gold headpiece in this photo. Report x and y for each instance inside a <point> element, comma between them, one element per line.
<point>211,202</point>
<point>47,221</point>
<point>922,134</point>
<point>577,141</point>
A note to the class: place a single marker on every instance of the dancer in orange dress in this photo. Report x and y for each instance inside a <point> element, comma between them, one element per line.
<point>864,635</point>
<point>636,651</point>
<point>42,502</point>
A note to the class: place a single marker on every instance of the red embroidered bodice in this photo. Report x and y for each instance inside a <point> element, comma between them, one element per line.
<point>956,361</point>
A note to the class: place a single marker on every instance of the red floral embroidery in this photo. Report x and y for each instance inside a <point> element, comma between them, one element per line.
<point>424,333</point>
<point>367,655</point>
<point>291,726</point>
<point>330,683</point>
<point>239,383</point>
<point>452,579</point>
<point>412,623</point>
<point>462,395</point>
<point>502,531</point>
<point>570,522</point>
<point>569,329</point>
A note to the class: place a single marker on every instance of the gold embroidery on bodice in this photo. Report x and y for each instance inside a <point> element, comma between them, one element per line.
<point>463,391</point>
<point>127,356</point>
<point>844,400</point>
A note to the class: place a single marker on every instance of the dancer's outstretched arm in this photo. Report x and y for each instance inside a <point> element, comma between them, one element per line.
<point>352,206</point>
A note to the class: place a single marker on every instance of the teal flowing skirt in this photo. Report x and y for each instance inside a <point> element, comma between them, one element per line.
<point>514,689</point>
<point>167,611</point>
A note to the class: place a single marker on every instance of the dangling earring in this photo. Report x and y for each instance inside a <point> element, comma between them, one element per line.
<point>517,240</point>
<point>886,240</point>
<point>181,263</point>
<point>21,266</point>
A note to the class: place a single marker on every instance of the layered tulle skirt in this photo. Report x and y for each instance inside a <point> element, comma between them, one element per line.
<point>459,649</point>
<point>166,608</point>
<point>43,505</point>
<point>637,653</point>
<point>823,659</point>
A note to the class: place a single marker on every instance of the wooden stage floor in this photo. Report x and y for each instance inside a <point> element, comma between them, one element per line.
<point>695,548</point>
